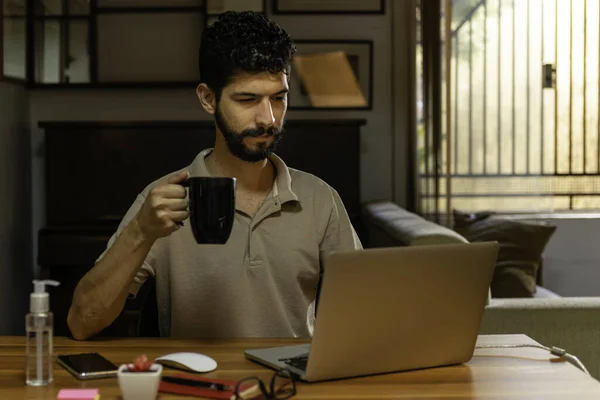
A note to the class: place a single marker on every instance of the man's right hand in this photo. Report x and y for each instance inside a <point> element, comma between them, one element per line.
<point>164,208</point>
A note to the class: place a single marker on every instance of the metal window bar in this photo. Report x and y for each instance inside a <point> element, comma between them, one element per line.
<point>455,136</point>
<point>556,88</point>
<point>570,86</point>
<point>546,194</point>
<point>524,175</point>
<point>513,121</point>
<point>449,136</point>
<point>499,128</point>
<point>528,91</point>
<point>583,127</point>
<point>426,123</point>
<point>436,102</point>
<point>485,39</point>
<point>542,102</point>
<point>470,142</point>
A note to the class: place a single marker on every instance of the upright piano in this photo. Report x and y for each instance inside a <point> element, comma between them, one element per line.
<point>94,171</point>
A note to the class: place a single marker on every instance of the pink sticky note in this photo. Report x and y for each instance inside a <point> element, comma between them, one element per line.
<point>77,394</point>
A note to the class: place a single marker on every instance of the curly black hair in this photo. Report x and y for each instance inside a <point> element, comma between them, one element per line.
<point>242,41</point>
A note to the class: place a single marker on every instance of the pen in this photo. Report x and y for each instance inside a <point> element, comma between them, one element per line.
<point>200,384</point>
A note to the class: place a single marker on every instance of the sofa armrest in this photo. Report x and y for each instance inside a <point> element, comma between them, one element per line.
<point>571,323</point>
<point>388,224</point>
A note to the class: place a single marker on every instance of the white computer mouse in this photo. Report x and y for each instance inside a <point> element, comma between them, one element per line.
<point>194,362</point>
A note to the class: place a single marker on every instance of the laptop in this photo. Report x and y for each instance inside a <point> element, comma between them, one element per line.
<point>392,309</point>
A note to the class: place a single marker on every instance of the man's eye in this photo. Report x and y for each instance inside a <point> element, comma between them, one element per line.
<point>246,100</point>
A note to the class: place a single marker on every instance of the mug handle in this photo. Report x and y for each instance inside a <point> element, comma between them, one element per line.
<point>185,184</point>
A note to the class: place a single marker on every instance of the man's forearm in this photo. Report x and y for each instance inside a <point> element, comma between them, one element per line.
<point>101,294</point>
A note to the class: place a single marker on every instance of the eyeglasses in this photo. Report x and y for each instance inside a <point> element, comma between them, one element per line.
<point>282,386</point>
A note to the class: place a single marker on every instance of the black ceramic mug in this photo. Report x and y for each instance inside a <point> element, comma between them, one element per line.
<point>212,208</point>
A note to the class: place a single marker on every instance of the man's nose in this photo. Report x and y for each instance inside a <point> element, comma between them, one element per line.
<point>264,116</point>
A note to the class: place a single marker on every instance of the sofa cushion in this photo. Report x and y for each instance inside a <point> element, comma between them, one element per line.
<point>408,228</point>
<point>521,247</point>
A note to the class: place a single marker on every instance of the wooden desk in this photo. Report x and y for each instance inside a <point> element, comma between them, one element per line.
<point>523,373</point>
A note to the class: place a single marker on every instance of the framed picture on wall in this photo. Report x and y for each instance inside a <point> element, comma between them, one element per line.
<point>332,75</point>
<point>149,5</point>
<point>215,7</point>
<point>328,6</point>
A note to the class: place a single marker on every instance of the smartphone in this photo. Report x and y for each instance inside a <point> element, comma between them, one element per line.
<point>88,365</point>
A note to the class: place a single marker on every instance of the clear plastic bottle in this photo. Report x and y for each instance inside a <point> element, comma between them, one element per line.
<point>39,327</point>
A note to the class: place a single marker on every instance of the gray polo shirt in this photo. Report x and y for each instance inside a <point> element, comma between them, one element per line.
<point>263,280</point>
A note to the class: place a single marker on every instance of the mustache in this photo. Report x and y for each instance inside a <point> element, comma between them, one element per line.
<point>272,131</point>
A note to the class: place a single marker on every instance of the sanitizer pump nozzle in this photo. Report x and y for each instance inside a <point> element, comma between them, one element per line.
<point>39,299</point>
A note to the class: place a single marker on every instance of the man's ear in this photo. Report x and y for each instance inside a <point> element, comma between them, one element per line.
<point>207,98</point>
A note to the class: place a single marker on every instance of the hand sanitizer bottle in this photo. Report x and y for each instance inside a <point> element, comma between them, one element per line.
<point>39,325</point>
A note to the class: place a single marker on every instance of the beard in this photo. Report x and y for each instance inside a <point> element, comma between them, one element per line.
<point>235,140</point>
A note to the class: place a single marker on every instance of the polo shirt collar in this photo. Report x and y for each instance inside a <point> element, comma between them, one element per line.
<point>282,187</point>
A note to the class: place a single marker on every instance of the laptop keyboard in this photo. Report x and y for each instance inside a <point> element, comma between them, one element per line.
<point>296,362</point>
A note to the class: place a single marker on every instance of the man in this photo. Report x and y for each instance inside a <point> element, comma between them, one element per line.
<point>263,281</point>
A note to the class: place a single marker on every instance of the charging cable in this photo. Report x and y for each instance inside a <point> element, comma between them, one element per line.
<point>553,350</point>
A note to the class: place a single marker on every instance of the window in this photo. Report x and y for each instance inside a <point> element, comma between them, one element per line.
<point>14,34</point>
<point>525,133</point>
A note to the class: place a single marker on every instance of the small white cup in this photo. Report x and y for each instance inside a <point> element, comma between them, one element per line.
<point>139,385</point>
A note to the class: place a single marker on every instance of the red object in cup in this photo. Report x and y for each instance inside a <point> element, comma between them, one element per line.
<point>141,364</point>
